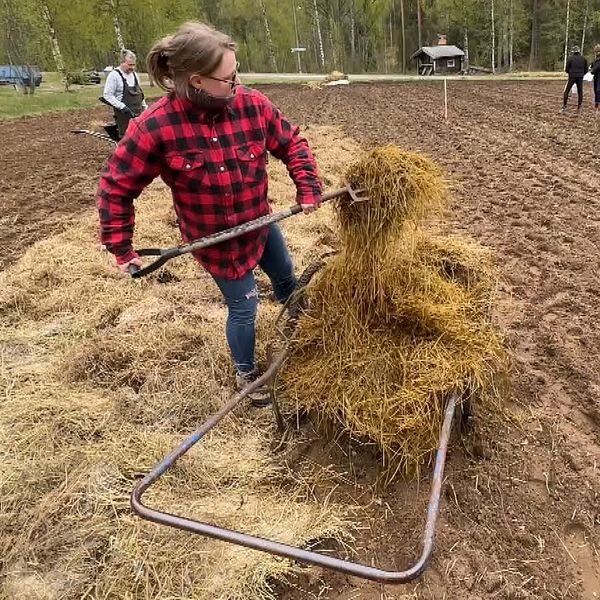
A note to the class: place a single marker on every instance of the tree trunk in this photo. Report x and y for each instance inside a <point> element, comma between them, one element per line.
<point>499,48</point>
<point>117,26</point>
<point>403,36</point>
<point>333,46</point>
<point>420,23</point>
<point>511,35</point>
<point>466,42</point>
<point>585,22</point>
<point>385,50</point>
<point>247,53</point>
<point>54,45</point>
<point>320,35</point>
<point>567,34</point>
<point>535,36</point>
<point>493,48</point>
<point>352,36</point>
<point>13,43</point>
<point>270,47</point>
<point>503,46</point>
<point>297,38</point>
<point>506,37</point>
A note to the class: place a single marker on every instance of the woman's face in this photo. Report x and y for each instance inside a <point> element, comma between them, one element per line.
<point>223,80</point>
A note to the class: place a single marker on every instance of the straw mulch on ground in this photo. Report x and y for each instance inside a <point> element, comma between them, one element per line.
<point>100,377</point>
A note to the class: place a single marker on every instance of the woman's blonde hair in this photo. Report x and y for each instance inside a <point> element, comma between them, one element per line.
<point>193,48</point>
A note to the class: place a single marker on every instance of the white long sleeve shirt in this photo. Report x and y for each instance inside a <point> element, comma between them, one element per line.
<point>113,88</point>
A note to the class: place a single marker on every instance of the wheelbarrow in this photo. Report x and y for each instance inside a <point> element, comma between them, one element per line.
<point>298,554</point>
<point>277,548</point>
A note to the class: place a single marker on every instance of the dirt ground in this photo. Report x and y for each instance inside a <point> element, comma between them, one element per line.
<point>520,516</point>
<point>48,176</point>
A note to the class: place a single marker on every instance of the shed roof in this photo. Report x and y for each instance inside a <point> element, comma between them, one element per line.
<point>436,52</point>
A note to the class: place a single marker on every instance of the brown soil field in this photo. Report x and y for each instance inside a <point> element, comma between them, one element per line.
<point>520,514</point>
<point>523,522</point>
<point>49,175</point>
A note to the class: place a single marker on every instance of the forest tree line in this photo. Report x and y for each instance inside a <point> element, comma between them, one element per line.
<point>345,35</point>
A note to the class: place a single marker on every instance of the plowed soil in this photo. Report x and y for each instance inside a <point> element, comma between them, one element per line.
<point>520,516</point>
<point>48,177</point>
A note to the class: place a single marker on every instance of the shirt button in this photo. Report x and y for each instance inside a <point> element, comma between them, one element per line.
<point>251,155</point>
<point>221,169</point>
<point>188,166</point>
<point>214,139</point>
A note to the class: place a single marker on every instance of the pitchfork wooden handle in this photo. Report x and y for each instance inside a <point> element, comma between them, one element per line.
<point>227,234</point>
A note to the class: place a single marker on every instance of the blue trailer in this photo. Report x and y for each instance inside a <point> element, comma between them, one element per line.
<point>22,75</point>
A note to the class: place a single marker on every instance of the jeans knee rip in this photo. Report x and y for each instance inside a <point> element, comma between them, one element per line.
<point>252,294</point>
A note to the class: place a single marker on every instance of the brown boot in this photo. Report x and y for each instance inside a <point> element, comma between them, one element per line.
<point>260,397</point>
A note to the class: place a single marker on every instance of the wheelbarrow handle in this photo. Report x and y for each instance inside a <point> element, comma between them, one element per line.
<point>222,236</point>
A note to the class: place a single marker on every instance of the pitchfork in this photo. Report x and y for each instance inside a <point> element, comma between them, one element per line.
<point>100,136</point>
<point>227,234</point>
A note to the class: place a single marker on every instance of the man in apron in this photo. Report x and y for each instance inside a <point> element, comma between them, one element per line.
<point>122,91</point>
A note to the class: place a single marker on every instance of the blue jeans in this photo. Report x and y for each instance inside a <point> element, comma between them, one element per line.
<point>241,296</point>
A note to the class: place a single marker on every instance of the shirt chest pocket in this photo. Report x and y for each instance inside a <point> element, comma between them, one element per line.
<point>187,170</point>
<point>251,160</point>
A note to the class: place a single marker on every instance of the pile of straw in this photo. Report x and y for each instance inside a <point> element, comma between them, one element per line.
<point>335,76</point>
<point>398,320</point>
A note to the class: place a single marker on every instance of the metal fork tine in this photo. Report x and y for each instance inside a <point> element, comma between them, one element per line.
<point>355,194</point>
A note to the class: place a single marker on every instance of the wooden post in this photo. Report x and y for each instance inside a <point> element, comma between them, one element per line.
<point>445,99</point>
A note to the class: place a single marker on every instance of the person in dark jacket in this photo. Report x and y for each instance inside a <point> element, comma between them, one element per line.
<point>595,68</point>
<point>576,68</point>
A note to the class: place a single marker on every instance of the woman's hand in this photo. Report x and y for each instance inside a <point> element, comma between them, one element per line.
<point>130,267</point>
<point>309,208</point>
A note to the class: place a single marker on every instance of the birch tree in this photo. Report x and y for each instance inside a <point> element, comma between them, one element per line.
<point>270,47</point>
<point>585,24</point>
<point>493,40</point>
<point>420,23</point>
<point>535,36</point>
<point>568,15</point>
<point>403,29</point>
<point>317,21</point>
<point>117,25</point>
<point>54,45</point>
<point>511,35</point>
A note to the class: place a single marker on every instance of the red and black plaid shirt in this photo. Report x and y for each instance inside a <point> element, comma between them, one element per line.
<point>215,165</point>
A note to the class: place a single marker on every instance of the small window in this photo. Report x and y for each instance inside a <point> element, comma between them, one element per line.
<point>451,62</point>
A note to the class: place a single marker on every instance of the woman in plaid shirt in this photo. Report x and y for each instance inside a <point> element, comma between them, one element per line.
<point>208,139</point>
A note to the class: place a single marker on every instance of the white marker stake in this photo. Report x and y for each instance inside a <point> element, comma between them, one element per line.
<point>445,99</point>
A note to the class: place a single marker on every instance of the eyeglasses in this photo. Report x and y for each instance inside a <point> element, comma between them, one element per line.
<point>234,78</point>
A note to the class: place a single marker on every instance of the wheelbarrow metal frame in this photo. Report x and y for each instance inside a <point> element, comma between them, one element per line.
<point>277,548</point>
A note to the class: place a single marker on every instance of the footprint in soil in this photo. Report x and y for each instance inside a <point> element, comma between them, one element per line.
<point>585,563</point>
